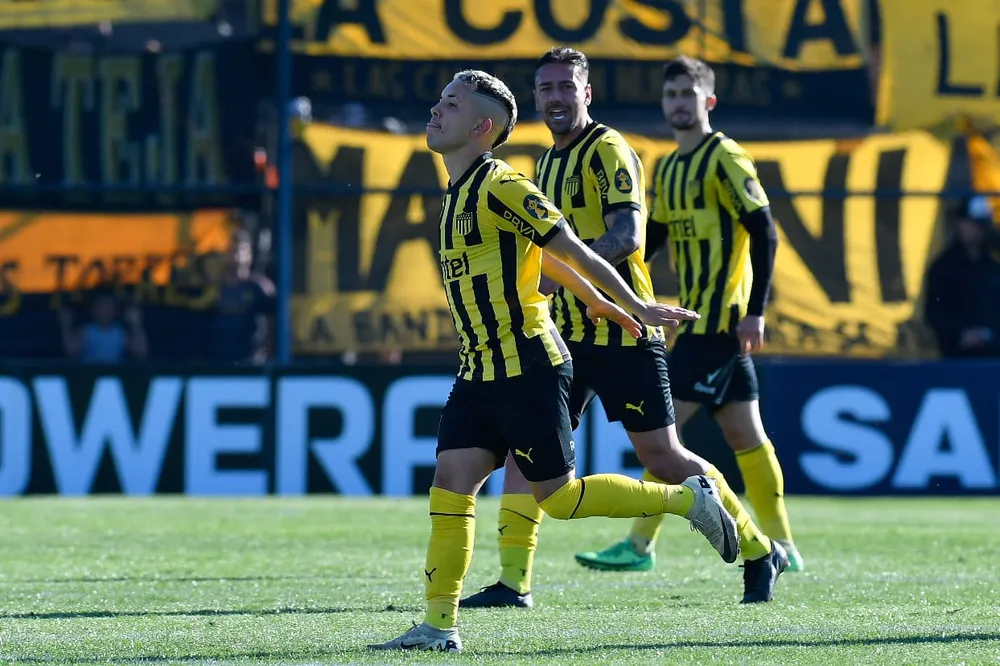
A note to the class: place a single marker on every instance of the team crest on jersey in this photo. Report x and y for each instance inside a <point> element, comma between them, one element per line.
<point>463,223</point>
<point>753,190</point>
<point>572,186</point>
<point>535,207</point>
<point>623,181</point>
<point>694,189</point>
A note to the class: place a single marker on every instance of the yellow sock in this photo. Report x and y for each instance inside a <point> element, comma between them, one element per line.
<point>753,544</point>
<point>766,490</point>
<point>645,530</point>
<point>616,496</point>
<point>518,524</point>
<point>449,553</point>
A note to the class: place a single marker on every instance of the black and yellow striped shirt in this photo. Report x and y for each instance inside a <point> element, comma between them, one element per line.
<point>701,197</point>
<point>597,174</point>
<point>494,222</point>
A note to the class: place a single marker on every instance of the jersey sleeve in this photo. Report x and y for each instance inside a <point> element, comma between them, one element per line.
<point>740,191</point>
<point>616,171</point>
<point>659,208</point>
<point>519,206</point>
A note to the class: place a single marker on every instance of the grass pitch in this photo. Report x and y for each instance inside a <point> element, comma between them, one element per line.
<point>312,581</point>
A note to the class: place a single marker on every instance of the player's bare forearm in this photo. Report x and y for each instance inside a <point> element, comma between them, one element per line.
<point>622,237</point>
<point>567,248</point>
<point>561,274</point>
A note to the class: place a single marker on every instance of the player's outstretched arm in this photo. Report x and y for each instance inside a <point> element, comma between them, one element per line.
<point>566,247</point>
<point>598,307</point>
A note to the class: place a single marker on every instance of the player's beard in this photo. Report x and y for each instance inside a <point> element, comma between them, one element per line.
<point>564,125</point>
<point>690,122</point>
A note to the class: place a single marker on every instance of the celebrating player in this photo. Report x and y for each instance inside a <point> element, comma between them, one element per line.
<point>594,177</point>
<point>512,391</point>
<point>711,205</point>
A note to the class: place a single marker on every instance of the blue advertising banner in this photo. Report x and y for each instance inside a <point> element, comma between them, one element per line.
<point>886,428</point>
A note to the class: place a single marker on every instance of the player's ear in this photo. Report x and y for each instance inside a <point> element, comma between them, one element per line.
<point>588,94</point>
<point>711,101</point>
<point>484,127</point>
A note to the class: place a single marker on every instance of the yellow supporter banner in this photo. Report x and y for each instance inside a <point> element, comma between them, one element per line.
<point>789,34</point>
<point>849,270</point>
<point>54,253</point>
<point>54,13</point>
<point>939,62</point>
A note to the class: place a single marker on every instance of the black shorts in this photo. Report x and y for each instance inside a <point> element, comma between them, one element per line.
<point>632,383</point>
<point>708,369</point>
<point>527,415</point>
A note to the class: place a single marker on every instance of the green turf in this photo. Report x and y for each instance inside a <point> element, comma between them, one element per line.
<point>311,581</point>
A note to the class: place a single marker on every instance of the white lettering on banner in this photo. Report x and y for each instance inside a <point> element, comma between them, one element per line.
<point>337,455</point>
<point>869,450</point>
<point>15,437</point>
<point>76,457</point>
<point>402,451</point>
<point>836,419</point>
<point>205,438</point>
<point>611,443</point>
<point>945,415</point>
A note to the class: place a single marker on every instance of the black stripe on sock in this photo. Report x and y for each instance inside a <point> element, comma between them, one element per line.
<point>583,489</point>
<point>457,515</point>
<point>530,520</point>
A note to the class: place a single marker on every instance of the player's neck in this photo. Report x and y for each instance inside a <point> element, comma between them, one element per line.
<point>688,140</point>
<point>562,140</point>
<point>458,161</point>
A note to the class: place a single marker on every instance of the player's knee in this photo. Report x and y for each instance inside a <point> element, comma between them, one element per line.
<point>743,438</point>
<point>561,503</point>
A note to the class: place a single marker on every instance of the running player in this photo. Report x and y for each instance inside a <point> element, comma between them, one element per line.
<point>711,205</point>
<point>511,395</point>
<point>593,176</point>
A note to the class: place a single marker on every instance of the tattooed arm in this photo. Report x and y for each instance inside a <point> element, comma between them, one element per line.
<point>623,237</point>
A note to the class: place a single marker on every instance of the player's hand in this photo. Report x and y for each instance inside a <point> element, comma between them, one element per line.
<point>661,314</point>
<point>750,331</point>
<point>605,309</point>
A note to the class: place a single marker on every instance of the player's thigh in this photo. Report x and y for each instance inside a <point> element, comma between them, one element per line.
<point>514,482</point>
<point>469,444</point>
<point>633,386</point>
<point>533,419</point>
<point>684,411</point>
<point>741,424</point>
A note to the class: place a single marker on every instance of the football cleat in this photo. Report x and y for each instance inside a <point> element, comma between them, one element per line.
<point>621,556</point>
<point>497,595</point>
<point>795,561</point>
<point>760,575</point>
<point>424,637</point>
<point>709,517</point>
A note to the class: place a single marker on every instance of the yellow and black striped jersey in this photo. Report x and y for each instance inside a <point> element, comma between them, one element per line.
<point>701,197</point>
<point>596,174</point>
<point>494,222</point>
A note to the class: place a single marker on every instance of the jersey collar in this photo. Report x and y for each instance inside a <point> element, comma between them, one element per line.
<point>480,161</point>
<point>701,144</point>
<point>575,142</point>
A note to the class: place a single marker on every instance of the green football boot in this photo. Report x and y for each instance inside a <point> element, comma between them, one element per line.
<point>619,557</point>
<point>795,561</point>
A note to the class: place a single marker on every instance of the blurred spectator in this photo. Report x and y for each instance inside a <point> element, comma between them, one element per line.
<point>104,339</point>
<point>963,285</point>
<point>242,321</point>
